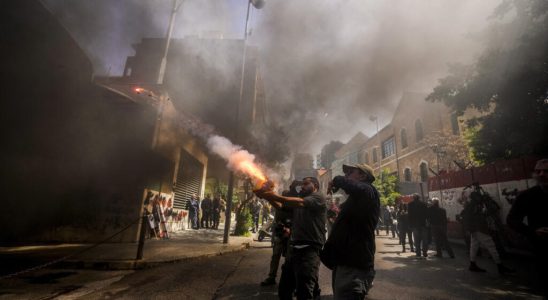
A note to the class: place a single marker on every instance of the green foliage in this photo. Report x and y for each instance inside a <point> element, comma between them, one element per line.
<point>214,187</point>
<point>509,82</point>
<point>244,221</point>
<point>387,184</point>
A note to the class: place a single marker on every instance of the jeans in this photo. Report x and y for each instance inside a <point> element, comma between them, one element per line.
<point>420,237</point>
<point>409,234</point>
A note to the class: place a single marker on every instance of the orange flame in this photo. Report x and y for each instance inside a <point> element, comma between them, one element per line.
<point>251,170</point>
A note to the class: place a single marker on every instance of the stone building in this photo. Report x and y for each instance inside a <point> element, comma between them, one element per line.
<point>350,153</point>
<point>411,146</point>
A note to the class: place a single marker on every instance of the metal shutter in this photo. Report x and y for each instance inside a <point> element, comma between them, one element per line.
<point>189,180</point>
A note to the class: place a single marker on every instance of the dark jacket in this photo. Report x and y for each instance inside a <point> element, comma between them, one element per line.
<point>437,217</point>
<point>474,217</point>
<point>352,237</point>
<point>533,204</point>
<point>418,214</point>
<point>403,221</point>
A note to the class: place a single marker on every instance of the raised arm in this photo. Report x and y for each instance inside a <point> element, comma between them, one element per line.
<point>276,199</point>
<point>352,186</point>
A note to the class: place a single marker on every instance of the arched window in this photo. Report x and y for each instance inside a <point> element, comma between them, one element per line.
<point>418,130</point>
<point>407,174</point>
<point>424,171</point>
<point>375,158</point>
<point>403,138</point>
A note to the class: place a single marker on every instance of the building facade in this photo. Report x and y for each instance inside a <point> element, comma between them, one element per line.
<point>412,146</point>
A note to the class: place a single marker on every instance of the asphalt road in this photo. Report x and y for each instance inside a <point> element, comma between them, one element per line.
<point>237,276</point>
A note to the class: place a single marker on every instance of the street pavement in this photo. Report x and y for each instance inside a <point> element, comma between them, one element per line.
<point>181,245</point>
<point>237,275</point>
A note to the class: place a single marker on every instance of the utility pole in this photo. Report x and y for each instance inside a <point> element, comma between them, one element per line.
<point>258,4</point>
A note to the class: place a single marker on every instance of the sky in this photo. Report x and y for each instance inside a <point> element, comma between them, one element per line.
<point>327,64</point>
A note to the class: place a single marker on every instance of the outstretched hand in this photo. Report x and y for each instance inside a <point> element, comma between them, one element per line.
<point>266,187</point>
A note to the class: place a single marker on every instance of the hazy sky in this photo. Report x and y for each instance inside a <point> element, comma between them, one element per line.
<point>327,64</point>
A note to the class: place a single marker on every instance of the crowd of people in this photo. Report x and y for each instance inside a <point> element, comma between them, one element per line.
<point>205,213</point>
<point>417,223</point>
<point>304,218</point>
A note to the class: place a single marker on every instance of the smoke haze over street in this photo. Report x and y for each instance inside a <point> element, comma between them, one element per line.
<point>327,65</point>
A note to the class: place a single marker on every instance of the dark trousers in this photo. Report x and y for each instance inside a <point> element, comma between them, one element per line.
<point>286,287</point>
<point>391,228</point>
<point>278,246</point>
<point>206,219</point>
<point>216,217</point>
<point>440,237</point>
<point>420,236</point>
<point>300,272</point>
<point>409,234</point>
<point>255,223</point>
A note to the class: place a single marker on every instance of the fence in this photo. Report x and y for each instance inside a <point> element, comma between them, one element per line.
<point>503,180</point>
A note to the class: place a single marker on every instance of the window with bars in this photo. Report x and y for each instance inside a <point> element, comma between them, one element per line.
<point>388,147</point>
<point>407,174</point>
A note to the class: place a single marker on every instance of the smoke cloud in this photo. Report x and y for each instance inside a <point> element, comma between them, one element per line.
<point>327,65</point>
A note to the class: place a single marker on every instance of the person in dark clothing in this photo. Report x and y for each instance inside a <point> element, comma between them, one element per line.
<point>476,218</point>
<point>206,207</point>
<point>350,249</point>
<point>388,221</point>
<point>438,223</point>
<point>307,233</point>
<point>404,229</point>
<point>193,210</point>
<point>533,205</point>
<point>280,242</point>
<point>256,208</point>
<point>418,213</point>
<point>216,211</point>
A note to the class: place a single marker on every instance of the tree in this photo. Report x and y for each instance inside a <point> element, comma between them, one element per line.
<point>386,184</point>
<point>453,150</point>
<point>508,83</point>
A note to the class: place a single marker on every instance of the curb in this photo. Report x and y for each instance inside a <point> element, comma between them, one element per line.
<point>141,264</point>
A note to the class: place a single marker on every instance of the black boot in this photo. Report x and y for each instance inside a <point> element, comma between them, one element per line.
<point>474,268</point>
<point>268,281</point>
<point>505,270</point>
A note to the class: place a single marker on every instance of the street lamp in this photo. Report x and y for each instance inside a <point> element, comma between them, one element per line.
<point>161,73</point>
<point>379,155</point>
<point>258,4</point>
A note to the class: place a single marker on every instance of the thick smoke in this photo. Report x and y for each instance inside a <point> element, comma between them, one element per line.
<point>327,64</point>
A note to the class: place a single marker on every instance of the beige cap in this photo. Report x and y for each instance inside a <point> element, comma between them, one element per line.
<point>363,167</point>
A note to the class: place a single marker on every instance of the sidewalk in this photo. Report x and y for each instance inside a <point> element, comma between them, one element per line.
<point>182,245</point>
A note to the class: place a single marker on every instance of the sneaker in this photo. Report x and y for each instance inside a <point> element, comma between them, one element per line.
<point>268,281</point>
<point>474,268</point>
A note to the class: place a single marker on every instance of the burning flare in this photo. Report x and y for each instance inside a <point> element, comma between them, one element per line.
<point>239,160</point>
